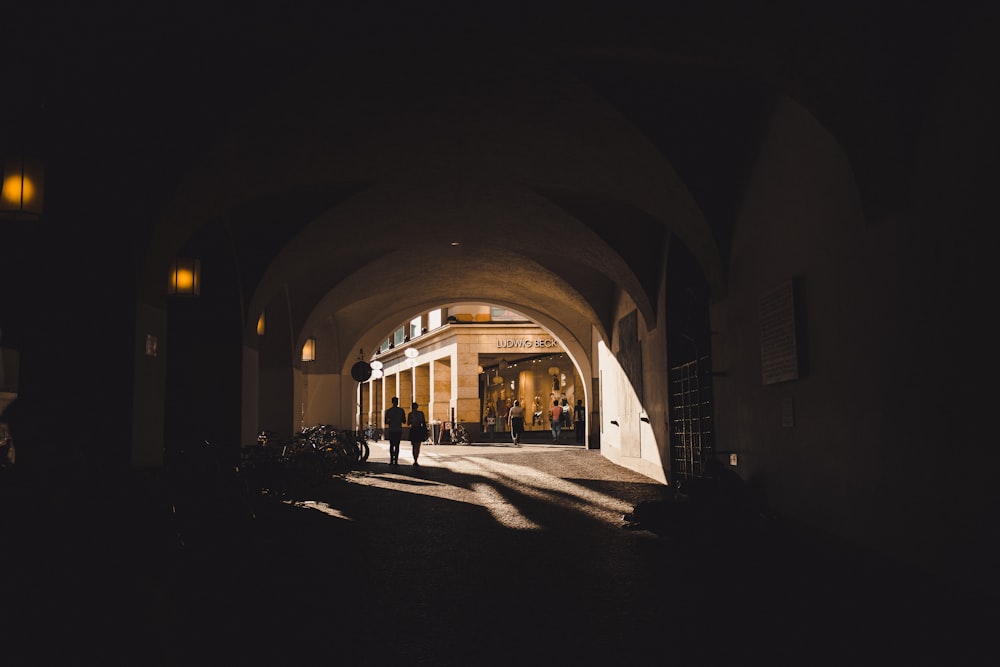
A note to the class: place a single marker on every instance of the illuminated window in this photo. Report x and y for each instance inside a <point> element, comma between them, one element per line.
<point>498,314</point>
<point>434,319</point>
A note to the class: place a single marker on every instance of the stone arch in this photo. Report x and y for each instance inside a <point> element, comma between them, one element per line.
<point>507,171</point>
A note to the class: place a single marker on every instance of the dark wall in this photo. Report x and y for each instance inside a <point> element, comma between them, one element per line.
<point>687,300</point>
<point>204,349</point>
<point>66,307</point>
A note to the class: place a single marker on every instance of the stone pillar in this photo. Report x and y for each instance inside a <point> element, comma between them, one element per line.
<point>423,387</point>
<point>372,409</point>
<point>405,388</point>
<point>465,378</point>
<point>439,403</point>
<point>594,427</point>
<point>392,389</point>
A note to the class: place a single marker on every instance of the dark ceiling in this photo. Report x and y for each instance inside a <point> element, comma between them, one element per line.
<point>121,99</point>
<point>148,87</point>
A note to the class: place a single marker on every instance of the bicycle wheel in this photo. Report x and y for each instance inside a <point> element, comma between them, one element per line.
<point>354,449</point>
<point>348,448</point>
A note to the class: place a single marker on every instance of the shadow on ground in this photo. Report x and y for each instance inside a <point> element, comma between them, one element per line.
<point>481,556</point>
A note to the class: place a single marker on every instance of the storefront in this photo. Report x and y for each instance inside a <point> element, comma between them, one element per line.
<point>535,381</point>
<point>470,370</point>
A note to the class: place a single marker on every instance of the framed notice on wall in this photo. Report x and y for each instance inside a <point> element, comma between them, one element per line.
<point>780,351</point>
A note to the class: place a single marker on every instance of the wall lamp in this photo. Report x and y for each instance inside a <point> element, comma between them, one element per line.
<point>309,350</point>
<point>22,189</point>
<point>184,277</point>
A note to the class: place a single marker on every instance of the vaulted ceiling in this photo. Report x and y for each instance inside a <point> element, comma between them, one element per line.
<point>136,110</point>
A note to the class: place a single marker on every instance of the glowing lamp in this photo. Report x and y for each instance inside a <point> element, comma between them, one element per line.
<point>309,350</point>
<point>411,353</point>
<point>22,188</point>
<point>184,277</point>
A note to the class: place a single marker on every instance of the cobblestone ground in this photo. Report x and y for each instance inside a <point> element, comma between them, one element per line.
<point>480,556</point>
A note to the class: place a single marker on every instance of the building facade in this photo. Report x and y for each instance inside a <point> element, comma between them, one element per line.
<point>470,370</point>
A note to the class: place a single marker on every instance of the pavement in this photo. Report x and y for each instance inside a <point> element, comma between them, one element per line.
<point>485,554</point>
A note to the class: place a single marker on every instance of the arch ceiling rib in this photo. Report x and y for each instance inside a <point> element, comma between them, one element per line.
<point>499,225</point>
<point>385,292</point>
<point>453,161</point>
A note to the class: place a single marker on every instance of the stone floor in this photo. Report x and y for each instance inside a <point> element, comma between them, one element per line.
<point>483,555</point>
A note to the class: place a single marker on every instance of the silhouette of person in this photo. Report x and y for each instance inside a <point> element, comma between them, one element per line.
<point>394,418</point>
<point>418,429</point>
<point>555,420</point>
<point>515,418</point>
<point>579,420</point>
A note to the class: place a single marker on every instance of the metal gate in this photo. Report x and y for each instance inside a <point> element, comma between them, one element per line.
<point>691,430</point>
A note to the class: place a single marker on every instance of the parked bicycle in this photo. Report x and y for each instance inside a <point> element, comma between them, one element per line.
<point>283,467</point>
<point>459,435</point>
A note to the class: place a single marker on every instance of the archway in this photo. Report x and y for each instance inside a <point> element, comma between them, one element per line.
<point>341,230</point>
<point>451,364</point>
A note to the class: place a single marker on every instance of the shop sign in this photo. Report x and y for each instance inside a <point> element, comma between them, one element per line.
<point>526,343</point>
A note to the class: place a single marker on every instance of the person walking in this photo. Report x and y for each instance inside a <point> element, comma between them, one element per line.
<point>418,429</point>
<point>515,421</point>
<point>555,421</point>
<point>579,420</point>
<point>394,418</point>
